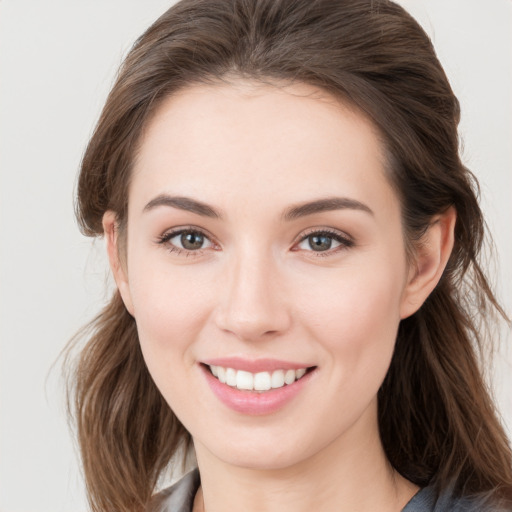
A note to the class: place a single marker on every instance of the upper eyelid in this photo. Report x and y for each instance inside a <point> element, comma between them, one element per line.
<point>172,232</point>
<point>328,231</point>
<point>305,233</point>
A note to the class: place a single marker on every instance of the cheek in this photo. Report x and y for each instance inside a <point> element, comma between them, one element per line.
<point>170,313</point>
<point>355,302</point>
<point>357,322</point>
<point>356,328</point>
<point>170,307</point>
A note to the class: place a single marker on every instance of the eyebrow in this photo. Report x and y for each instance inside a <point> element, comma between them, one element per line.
<point>183,203</point>
<point>324,205</point>
<point>291,213</point>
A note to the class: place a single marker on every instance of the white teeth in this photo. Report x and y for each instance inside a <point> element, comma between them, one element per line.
<point>300,373</point>
<point>244,380</point>
<point>221,374</point>
<point>230,377</point>
<point>278,379</point>
<point>289,376</point>
<point>261,381</point>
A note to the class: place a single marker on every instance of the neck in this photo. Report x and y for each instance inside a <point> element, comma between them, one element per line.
<point>346,475</point>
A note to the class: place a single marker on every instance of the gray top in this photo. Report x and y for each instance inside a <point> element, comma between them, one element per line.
<point>180,498</point>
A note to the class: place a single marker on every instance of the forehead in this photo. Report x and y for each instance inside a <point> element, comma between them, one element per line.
<point>258,139</point>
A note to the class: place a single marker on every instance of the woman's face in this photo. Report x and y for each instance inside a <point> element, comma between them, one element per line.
<point>263,237</point>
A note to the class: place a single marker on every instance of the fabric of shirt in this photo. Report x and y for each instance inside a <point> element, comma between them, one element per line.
<point>180,498</point>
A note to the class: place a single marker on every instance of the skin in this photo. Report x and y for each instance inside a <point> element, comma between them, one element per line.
<point>257,289</point>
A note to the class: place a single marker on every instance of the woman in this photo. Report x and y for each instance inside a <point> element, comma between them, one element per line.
<point>295,244</point>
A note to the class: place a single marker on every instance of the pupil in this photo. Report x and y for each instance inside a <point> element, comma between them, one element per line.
<point>320,242</point>
<point>192,241</point>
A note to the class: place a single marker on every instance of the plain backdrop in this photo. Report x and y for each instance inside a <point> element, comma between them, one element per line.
<point>57,62</point>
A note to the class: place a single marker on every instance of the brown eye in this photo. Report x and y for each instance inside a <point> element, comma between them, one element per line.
<point>185,240</point>
<point>192,241</point>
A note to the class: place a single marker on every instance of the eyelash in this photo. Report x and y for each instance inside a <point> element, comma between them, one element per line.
<point>345,241</point>
<point>169,235</point>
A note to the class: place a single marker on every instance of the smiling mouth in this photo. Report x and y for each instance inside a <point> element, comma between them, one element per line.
<point>261,381</point>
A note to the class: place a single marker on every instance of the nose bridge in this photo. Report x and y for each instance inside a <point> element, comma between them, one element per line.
<point>252,304</point>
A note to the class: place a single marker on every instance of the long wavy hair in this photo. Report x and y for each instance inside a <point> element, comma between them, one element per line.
<point>437,421</point>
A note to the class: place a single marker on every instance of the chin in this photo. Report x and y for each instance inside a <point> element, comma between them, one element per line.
<point>263,461</point>
<point>263,454</point>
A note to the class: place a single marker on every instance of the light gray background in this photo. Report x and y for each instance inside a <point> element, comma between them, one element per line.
<point>57,62</point>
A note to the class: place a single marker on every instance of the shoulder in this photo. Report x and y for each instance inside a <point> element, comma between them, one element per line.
<point>178,497</point>
<point>428,500</point>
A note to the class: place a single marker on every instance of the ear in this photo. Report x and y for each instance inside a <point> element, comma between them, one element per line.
<point>431,257</point>
<point>117,264</point>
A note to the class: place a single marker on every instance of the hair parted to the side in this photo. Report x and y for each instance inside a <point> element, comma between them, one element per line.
<point>437,421</point>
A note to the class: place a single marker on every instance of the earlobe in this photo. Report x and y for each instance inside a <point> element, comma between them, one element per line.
<point>432,254</point>
<point>111,233</point>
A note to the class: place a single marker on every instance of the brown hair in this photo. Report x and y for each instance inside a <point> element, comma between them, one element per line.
<point>437,421</point>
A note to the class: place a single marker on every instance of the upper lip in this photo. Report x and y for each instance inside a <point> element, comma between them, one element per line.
<point>255,365</point>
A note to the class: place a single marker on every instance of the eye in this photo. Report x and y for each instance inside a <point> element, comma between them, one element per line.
<point>185,240</point>
<point>324,241</point>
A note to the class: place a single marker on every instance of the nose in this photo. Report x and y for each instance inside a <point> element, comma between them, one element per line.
<point>253,302</point>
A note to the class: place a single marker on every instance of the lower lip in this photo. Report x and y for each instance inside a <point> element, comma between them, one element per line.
<point>253,402</point>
